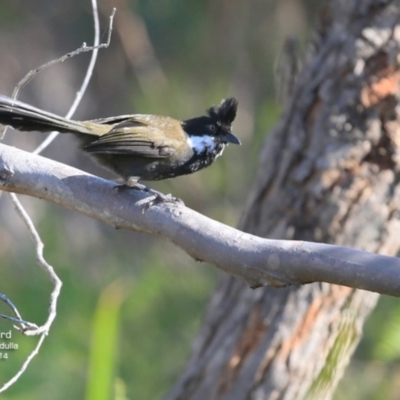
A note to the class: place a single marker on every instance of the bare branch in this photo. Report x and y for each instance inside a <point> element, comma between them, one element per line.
<point>255,260</point>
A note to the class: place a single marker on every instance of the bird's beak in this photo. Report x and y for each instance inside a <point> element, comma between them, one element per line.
<point>231,138</point>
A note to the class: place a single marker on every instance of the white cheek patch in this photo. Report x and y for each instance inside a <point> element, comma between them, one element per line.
<point>200,144</point>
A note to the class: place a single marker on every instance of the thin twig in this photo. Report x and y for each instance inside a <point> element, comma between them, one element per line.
<point>83,49</point>
<point>22,322</point>
<point>28,328</point>
<point>95,49</point>
<point>24,366</point>
<point>44,264</point>
<point>14,309</point>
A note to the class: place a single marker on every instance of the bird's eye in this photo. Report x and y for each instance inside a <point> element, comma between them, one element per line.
<point>212,128</point>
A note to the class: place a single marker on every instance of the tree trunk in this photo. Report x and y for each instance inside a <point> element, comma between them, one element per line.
<point>329,172</point>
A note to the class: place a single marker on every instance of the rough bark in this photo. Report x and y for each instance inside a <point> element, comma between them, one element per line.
<point>328,172</point>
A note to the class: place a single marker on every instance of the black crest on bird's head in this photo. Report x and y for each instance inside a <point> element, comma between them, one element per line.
<point>217,122</point>
<point>225,112</point>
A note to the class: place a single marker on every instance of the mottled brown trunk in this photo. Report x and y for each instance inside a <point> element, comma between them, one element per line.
<point>329,172</point>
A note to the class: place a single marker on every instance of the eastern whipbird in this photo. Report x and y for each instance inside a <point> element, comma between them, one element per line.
<point>138,146</point>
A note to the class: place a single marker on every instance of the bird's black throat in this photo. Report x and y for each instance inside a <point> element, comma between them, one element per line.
<point>201,160</point>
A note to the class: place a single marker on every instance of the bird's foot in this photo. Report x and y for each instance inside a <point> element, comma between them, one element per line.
<point>155,198</point>
<point>158,196</point>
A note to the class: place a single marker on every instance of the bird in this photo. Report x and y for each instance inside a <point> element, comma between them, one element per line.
<point>138,146</point>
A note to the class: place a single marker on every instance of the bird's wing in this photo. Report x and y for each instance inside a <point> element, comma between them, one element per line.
<point>147,136</point>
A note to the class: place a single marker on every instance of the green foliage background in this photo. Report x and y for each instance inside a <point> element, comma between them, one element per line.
<point>131,304</point>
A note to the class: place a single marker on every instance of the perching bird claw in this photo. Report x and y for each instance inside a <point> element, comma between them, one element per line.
<point>155,198</point>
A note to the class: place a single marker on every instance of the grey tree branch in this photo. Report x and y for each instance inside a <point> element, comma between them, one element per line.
<point>255,260</point>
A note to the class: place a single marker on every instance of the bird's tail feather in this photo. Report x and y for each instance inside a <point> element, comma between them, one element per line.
<point>25,117</point>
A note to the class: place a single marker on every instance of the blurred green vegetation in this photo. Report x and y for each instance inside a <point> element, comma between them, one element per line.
<point>131,302</point>
<point>161,308</point>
